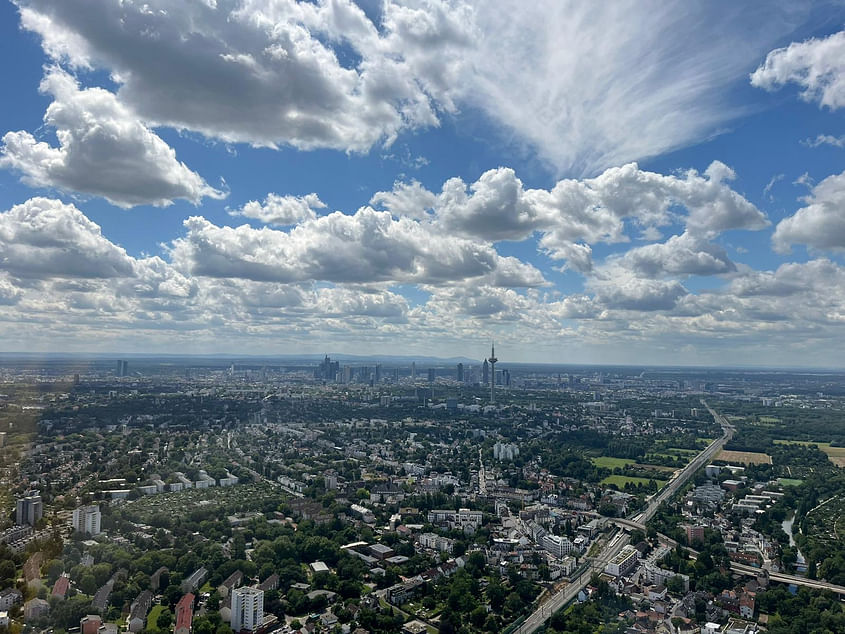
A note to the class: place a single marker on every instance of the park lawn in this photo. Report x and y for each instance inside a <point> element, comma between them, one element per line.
<point>621,480</point>
<point>768,419</point>
<point>607,462</point>
<point>790,482</point>
<point>152,617</point>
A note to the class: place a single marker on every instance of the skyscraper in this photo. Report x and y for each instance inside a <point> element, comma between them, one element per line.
<point>413,370</point>
<point>492,361</point>
<point>485,372</point>
<point>29,509</point>
<point>431,375</point>
<point>122,368</point>
<point>247,609</point>
<point>460,373</point>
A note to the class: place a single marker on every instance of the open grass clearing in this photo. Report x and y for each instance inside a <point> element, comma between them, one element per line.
<point>608,462</point>
<point>656,467</point>
<point>790,482</point>
<point>622,480</point>
<point>744,457</point>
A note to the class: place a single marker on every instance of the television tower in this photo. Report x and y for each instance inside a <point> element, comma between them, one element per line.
<point>492,361</point>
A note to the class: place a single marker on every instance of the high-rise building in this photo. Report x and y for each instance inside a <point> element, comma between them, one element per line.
<point>460,373</point>
<point>327,370</point>
<point>247,609</point>
<point>377,373</point>
<point>492,361</point>
<point>122,368</point>
<point>413,370</point>
<point>87,520</point>
<point>29,509</point>
<point>485,372</point>
<point>431,375</point>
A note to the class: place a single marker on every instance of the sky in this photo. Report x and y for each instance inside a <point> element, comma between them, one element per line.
<point>649,182</point>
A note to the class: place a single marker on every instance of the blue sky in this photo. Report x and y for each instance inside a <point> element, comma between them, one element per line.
<point>630,183</point>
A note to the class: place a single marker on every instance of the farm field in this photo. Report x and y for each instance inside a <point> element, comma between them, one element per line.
<point>744,457</point>
<point>621,480</point>
<point>835,454</point>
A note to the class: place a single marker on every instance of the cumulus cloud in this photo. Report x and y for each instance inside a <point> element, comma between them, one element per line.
<point>47,238</point>
<point>310,75</point>
<point>790,279</point>
<point>627,292</point>
<point>282,210</point>
<point>576,213</point>
<point>816,65</point>
<point>366,247</point>
<point>104,150</point>
<point>584,84</point>
<point>821,224</point>
<point>680,255</point>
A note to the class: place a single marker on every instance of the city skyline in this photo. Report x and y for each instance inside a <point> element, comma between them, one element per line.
<point>655,184</point>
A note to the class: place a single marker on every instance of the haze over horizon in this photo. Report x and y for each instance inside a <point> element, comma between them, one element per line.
<point>653,183</point>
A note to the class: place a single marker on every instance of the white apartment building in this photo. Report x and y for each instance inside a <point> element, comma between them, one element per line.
<point>86,519</point>
<point>247,609</point>
<point>557,545</point>
<point>623,563</point>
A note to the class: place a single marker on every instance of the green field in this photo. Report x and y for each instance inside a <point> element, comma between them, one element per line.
<point>621,480</point>
<point>835,454</point>
<point>152,617</point>
<point>768,419</point>
<point>789,482</point>
<point>608,462</point>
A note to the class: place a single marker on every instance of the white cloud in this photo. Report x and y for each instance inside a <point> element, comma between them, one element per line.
<point>821,224</point>
<point>590,85</point>
<point>582,84</point>
<point>816,65</point>
<point>496,208</point>
<point>680,255</point>
<point>104,150</point>
<point>627,292</point>
<point>9,293</point>
<point>411,200</point>
<point>269,73</point>
<point>282,210</point>
<point>825,139</point>
<point>366,247</point>
<point>45,238</point>
<point>575,213</point>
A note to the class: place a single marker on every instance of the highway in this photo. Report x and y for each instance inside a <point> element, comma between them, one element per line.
<point>568,593</point>
<point>701,460</point>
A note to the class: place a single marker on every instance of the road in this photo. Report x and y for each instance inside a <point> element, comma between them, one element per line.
<point>784,578</point>
<point>568,593</point>
<point>680,479</point>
